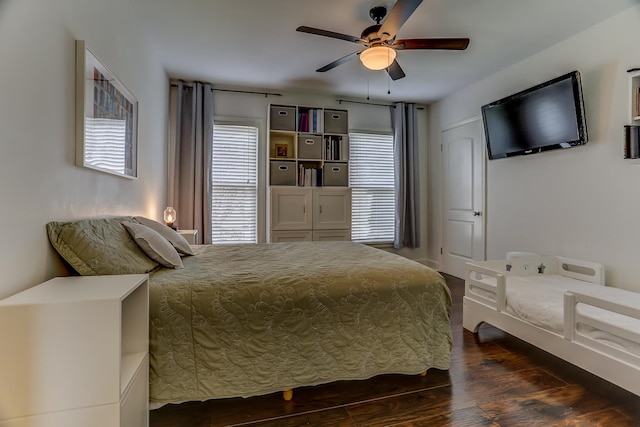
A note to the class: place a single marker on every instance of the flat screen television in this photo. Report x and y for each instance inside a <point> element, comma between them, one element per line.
<point>544,117</point>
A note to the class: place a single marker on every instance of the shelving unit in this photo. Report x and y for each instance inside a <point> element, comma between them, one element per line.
<point>310,197</point>
<point>634,96</point>
<point>78,353</point>
<point>301,140</point>
<point>632,133</point>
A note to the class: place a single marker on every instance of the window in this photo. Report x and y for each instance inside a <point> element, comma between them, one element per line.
<point>372,185</point>
<point>234,170</point>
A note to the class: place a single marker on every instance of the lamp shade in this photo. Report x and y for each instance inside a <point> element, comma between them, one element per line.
<point>169,216</point>
<point>377,57</point>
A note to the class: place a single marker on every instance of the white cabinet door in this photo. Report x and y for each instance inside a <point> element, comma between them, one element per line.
<point>291,208</point>
<point>331,208</point>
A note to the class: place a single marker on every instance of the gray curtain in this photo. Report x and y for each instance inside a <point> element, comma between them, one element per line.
<point>192,168</point>
<point>407,186</point>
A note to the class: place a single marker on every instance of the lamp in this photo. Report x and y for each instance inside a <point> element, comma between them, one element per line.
<point>377,57</point>
<point>170,216</point>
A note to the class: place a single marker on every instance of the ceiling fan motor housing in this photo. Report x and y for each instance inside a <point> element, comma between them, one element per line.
<point>370,34</point>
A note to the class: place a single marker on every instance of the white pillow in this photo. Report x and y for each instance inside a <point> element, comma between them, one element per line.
<point>178,242</point>
<point>154,245</point>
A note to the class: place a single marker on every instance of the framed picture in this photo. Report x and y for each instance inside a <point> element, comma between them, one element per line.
<point>106,118</point>
<point>281,150</point>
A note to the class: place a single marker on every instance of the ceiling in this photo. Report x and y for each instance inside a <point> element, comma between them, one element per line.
<point>254,43</point>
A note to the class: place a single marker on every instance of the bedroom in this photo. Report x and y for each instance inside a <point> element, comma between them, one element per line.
<point>591,188</point>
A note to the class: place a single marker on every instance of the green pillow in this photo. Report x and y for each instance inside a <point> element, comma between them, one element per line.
<point>99,246</point>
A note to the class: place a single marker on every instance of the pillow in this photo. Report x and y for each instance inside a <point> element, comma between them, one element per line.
<point>99,246</point>
<point>178,242</point>
<point>154,245</point>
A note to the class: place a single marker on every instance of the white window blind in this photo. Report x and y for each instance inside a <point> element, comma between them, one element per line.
<point>104,143</point>
<point>234,201</point>
<point>371,179</point>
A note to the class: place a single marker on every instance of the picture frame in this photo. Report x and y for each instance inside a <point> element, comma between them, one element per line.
<point>282,150</point>
<point>106,118</point>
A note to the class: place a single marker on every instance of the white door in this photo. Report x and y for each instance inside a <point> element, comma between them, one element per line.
<point>463,197</point>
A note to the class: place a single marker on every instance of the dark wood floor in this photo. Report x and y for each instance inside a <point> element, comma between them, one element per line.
<point>494,380</point>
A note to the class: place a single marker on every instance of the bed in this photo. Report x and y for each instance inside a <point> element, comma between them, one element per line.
<point>246,320</point>
<point>562,306</point>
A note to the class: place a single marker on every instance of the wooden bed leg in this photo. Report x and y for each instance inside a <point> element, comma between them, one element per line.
<point>287,395</point>
<point>423,373</point>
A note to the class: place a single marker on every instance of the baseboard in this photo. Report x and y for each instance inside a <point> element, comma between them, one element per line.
<point>431,263</point>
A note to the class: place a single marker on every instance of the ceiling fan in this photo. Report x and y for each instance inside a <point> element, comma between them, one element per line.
<point>380,40</point>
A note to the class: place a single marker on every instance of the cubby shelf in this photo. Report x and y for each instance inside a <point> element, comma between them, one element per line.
<point>308,146</point>
<point>632,143</point>
<point>634,96</point>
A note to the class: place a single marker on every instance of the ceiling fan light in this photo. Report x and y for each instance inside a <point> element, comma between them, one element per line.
<point>377,57</point>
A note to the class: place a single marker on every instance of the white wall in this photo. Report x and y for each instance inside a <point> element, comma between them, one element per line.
<point>40,181</point>
<point>583,202</point>
<point>361,117</point>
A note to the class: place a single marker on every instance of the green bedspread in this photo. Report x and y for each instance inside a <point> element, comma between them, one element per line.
<point>245,320</point>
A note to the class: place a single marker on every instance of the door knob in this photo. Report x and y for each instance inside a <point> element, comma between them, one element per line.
<point>477,213</point>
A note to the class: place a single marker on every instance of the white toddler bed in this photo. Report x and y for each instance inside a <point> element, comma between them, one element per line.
<point>562,306</point>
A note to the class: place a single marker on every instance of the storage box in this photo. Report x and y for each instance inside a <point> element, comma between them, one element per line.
<point>335,121</point>
<point>335,174</point>
<point>283,173</point>
<point>282,118</point>
<point>309,147</point>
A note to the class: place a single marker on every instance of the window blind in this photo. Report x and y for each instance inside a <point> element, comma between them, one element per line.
<point>104,143</point>
<point>371,178</point>
<point>234,201</point>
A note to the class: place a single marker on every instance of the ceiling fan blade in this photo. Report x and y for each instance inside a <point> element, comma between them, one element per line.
<point>399,14</point>
<point>395,71</point>
<point>337,62</point>
<point>432,43</point>
<point>325,33</point>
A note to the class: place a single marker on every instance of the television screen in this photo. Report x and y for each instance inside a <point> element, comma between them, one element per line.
<point>544,117</point>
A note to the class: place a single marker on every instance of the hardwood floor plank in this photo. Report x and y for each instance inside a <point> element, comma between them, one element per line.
<point>605,418</point>
<point>486,369</point>
<point>546,407</point>
<point>467,417</point>
<point>331,417</point>
<point>403,409</point>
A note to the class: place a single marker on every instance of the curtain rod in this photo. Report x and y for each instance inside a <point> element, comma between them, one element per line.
<point>340,101</point>
<point>237,91</point>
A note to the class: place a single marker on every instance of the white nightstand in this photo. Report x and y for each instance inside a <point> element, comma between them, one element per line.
<point>191,236</point>
<point>75,353</point>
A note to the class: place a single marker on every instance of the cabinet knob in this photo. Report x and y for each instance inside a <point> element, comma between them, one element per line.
<point>477,213</point>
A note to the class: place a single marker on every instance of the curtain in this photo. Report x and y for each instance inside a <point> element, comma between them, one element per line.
<point>407,186</point>
<point>192,158</point>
